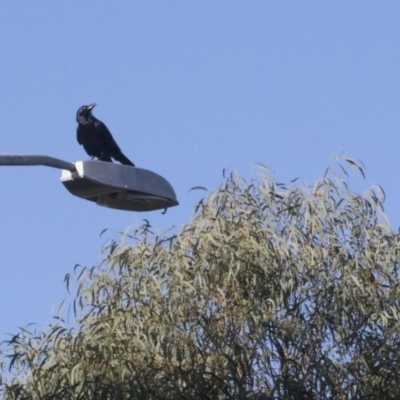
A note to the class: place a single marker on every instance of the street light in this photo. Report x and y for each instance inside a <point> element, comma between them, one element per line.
<point>110,185</point>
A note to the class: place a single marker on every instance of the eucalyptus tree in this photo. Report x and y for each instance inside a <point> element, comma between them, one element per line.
<point>269,292</point>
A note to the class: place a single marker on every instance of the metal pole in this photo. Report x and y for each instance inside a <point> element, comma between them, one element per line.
<point>33,159</point>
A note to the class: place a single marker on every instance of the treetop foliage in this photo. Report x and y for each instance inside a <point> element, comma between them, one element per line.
<point>269,292</point>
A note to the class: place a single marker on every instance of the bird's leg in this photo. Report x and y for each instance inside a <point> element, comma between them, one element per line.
<point>105,158</point>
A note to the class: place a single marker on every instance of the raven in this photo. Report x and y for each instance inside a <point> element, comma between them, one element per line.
<point>96,138</point>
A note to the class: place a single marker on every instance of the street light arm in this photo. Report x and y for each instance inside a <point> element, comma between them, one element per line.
<point>34,159</point>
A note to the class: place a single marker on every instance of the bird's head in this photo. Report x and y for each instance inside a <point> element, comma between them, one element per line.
<point>85,113</point>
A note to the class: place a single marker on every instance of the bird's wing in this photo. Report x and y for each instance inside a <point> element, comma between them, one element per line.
<point>123,159</point>
<point>102,129</point>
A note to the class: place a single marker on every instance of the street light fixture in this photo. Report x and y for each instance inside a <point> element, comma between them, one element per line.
<point>110,185</point>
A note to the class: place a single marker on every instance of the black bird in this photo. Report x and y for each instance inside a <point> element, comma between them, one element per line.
<point>96,139</point>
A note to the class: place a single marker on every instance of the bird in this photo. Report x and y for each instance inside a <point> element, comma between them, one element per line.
<point>96,139</point>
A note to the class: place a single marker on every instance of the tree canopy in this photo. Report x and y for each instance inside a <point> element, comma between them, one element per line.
<point>271,291</point>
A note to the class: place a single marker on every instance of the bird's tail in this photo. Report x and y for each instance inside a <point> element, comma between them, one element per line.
<point>123,159</point>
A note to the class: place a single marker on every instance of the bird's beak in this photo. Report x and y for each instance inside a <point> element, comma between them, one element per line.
<point>91,106</point>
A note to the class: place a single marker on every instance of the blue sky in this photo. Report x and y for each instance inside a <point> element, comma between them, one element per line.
<point>187,89</point>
